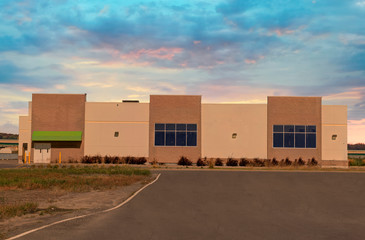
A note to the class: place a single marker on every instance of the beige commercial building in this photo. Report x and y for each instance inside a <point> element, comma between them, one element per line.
<point>66,126</point>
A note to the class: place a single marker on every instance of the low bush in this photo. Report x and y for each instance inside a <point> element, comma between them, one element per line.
<point>86,159</point>
<point>258,162</point>
<point>301,162</point>
<point>267,162</point>
<point>92,159</point>
<point>201,163</point>
<point>312,162</point>
<point>135,160</point>
<point>116,160</point>
<point>287,162</point>
<point>108,159</point>
<point>218,162</point>
<point>274,162</point>
<point>184,161</point>
<point>154,162</point>
<point>232,162</point>
<point>243,162</point>
<point>357,162</point>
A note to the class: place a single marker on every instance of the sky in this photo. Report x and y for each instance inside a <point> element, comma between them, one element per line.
<point>233,51</point>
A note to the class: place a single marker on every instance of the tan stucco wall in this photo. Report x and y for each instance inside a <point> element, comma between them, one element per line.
<point>102,120</point>
<point>334,122</point>
<point>60,112</point>
<point>294,111</point>
<point>24,135</point>
<point>174,109</point>
<point>25,125</point>
<point>220,121</point>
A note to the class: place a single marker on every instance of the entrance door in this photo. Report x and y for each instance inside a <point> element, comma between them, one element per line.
<point>42,152</point>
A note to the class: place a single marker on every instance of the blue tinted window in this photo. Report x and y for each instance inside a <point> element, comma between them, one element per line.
<point>311,140</point>
<point>289,140</point>
<point>278,140</point>
<point>300,128</point>
<point>289,128</point>
<point>180,126</point>
<point>159,126</point>
<point>170,126</point>
<point>180,138</point>
<point>300,140</point>
<point>298,136</point>
<point>191,138</point>
<point>191,127</point>
<point>278,128</point>
<point>311,128</point>
<point>171,134</point>
<point>170,138</point>
<point>159,138</point>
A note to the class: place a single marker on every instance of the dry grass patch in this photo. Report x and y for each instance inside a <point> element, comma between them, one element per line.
<point>38,190</point>
<point>71,178</point>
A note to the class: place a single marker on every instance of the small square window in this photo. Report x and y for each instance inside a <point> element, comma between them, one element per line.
<point>116,134</point>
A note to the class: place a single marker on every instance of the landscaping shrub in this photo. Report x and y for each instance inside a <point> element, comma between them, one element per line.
<point>141,160</point>
<point>128,159</point>
<point>312,162</point>
<point>154,162</point>
<point>274,162</point>
<point>301,162</point>
<point>258,163</point>
<point>244,162</point>
<point>86,159</point>
<point>115,160</point>
<point>91,159</point>
<point>201,163</point>
<point>357,162</point>
<point>287,162</point>
<point>282,163</point>
<point>267,162</point>
<point>134,160</point>
<point>184,161</point>
<point>232,162</point>
<point>218,162</point>
<point>108,159</point>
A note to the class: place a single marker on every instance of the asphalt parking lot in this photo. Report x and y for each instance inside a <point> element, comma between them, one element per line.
<point>232,205</point>
<point>8,163</point>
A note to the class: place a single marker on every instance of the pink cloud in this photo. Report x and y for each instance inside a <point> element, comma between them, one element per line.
<point>250,61</point>
<point>160,53</point>
<point>196,42</point>
<point>31,89</point>
<point>281,32</point>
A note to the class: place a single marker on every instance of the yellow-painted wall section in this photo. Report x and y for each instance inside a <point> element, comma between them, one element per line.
<point>334,122</point>
<point>221,121</point>
<point>129,120</point>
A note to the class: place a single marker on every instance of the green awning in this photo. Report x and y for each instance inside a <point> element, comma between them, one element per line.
<point>57,136</point>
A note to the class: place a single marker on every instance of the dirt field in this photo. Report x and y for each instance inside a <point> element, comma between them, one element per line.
<point>55,205</point>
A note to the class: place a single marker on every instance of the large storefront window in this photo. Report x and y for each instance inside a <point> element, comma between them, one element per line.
<point>294,136</point>
<point>171,134</point>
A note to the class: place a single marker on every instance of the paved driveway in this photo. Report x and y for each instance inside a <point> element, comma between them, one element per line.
<point>232,205</point>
